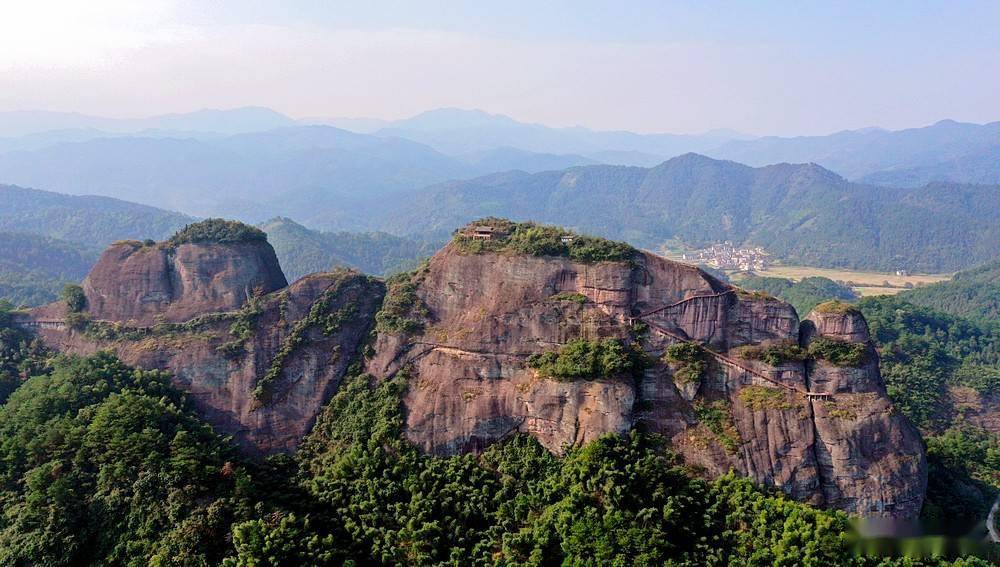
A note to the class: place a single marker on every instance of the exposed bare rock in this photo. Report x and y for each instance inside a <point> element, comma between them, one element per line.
<point>486,313</point>
<point>143,284</point>
<point>978,410</point>
<point>871,458</point>
<point>207,289</point>
<point>837,321</point>
<point>261,365</point>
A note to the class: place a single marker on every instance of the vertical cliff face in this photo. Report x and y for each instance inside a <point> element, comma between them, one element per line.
<point>143,284</point>
<point>871,459</point>
<point>258,359</point>
<point>484,314</point>
<point>731,379</point>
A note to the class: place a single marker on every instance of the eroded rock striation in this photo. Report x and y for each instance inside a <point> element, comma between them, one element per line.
<point>143,284</point>
<point>731,379</point>
<point>259,358</point>
<point>823,433</point>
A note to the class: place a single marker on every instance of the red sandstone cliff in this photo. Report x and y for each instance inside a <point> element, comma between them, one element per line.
<point>144,284</point>
<point>220,318</point>
<point>261,364</point>
<point>486,313</point>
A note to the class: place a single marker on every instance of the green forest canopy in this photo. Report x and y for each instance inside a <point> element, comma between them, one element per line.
<point>220,231</point>
<point>973,293</point>
<point>100,463</point>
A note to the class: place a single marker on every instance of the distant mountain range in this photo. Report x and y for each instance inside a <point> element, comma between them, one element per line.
<point>802,213</point>
<point>323,176</point>
<point>945,151</point>
<point>231,121</point>
<point>454,131</point>
<point>421,176</point>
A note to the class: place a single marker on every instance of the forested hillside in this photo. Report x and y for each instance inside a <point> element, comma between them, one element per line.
<point>85,220</point>
<point>87,480</point>
<point>303,251</point>
<point>972,293</point>
<point>804,294</point>
<point>938,370</point>
<point>33,268</point>
<point>802,213</point>
<point>982,167</point>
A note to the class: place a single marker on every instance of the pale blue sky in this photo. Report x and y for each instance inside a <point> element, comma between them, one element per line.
<point>761,67</point>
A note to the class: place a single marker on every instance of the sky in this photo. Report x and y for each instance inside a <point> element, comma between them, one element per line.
<point>781,68</point>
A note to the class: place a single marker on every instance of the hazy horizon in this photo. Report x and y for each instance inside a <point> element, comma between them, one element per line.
<point>762,69</point>
<point>319,120</point>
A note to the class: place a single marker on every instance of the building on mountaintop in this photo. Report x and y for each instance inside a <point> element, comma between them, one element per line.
<point>482,232</point>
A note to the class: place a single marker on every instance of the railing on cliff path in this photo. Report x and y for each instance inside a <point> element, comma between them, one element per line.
<point>732,363</point>
<point>686,300</point>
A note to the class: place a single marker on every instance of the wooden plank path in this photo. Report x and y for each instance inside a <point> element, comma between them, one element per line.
<point>683,301</point>
<point>734,364</point>
<point>53,323</point>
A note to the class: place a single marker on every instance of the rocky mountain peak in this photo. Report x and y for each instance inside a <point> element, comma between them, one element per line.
<point>208,266</point>
<point>515,327</point>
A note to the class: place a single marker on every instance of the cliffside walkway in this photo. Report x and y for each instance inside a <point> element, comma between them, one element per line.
<point>683,301</point>
<point>24,321</point>
<point>61,323</point>
<point>734,364</point>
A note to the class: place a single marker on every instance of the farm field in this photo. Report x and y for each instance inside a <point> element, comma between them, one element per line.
<point>864,283</point>
<point>858,279</point>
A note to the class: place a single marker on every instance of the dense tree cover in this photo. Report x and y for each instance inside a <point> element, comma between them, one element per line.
<point>28,288</point>
<point>74,298</point>
<point>541,240</point>
<point>800,212</point>
<point>582,359</point>
<point>803,294</point>
<point>964,474</point>
<point>774,354</point>
<point>974,293</point>
<point>687,360</point>
<point>33,268</point>
<point>20,354</point>
<point>103,464</point>
<point>402,309</point>
<point>220,231</point>
<point>924,351</point>
<point>616,501</point>
<point>303,251</point>
<point>838,353</point>
<point>100,463</point>
<point>92,222</point>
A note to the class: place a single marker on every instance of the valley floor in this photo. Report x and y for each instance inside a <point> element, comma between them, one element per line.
<point>862,282</point>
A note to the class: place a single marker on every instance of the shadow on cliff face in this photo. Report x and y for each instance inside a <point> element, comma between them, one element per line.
<point>260,366</point>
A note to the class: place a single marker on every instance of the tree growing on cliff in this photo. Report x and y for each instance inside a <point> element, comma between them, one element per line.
<point>218,231</point>
<point>74,298</point>
<point>581,359</point>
